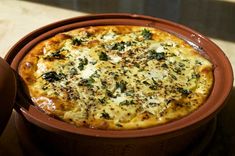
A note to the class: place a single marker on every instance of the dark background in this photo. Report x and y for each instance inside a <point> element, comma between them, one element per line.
<point>214,18</point>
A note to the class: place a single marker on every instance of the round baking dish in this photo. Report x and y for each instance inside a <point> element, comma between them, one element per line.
<point>56,136</point>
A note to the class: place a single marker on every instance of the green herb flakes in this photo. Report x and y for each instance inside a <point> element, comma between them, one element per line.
<point>146,34</point>
<point>52,76</point>
<point>103,56</point>
<point>152,54</point>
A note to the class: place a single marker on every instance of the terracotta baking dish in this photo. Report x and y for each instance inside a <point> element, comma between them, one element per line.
<point>39,132</point>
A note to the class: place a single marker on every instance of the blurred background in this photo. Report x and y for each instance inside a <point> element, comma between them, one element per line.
<point>214,18</point>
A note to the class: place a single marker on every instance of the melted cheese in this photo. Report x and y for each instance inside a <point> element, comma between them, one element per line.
<point>117,77</point>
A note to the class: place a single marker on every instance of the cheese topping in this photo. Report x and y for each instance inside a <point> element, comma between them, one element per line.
<point>117,77</point>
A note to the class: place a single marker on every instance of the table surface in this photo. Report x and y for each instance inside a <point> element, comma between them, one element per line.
<point>18,18</point>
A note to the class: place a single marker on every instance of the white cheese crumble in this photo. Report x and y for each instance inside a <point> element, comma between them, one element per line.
<point>41,68</point>
<point>88,71</point>
<point>119,99</point>
<point>109,36</point>
<point>115,59</point>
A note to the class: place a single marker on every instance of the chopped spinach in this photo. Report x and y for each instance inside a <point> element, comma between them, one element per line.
<point>128,43</point>
<point>82,63</point>
<point>173,76</point>
<point>44,87</point>
<point>183,91</point>
<point>146,83</point>
<point>119,125</point>
<point>119,46</point>
<point>181,64</point>
<point>55,55</point>
<point>122,85</point>
<point>86,82</point>
<point>154,81</point>
<point>109,93</point>
<point>198,62</point>
<point>153,87</point>
<point>115,75</point>
<point>105,115</point>
<point>126,102</point>
<point>96,74</point>
<point>153,104</point>
<point>103,56</point>
<point>130,93</point>
<point>104,83</point>
<point>90,81</point>
<point>52,76</point>
<point>76,41</point>
<point>152,54</point>
<point>164,65</point>
<point>146,34</point>
<point>195,76</point>
<point>73,71</point>
<point>137,65</point>
<point>102,101</point>
<point>177,70</point>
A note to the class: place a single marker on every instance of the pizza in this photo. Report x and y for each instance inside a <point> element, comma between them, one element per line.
<point>116,77</point>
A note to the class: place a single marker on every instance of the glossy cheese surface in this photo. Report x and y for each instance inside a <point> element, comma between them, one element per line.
<point>116,77</point>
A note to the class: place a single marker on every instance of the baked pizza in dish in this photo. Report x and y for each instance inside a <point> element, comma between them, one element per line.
<point>117,77</point>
